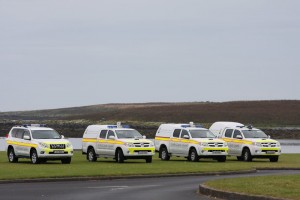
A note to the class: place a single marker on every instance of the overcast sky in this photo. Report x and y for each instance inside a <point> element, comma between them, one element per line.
<point>59,53</point>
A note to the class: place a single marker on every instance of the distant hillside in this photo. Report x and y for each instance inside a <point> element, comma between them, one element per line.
<point>285,112</point>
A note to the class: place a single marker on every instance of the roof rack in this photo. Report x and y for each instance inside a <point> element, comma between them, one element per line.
<point>119,125</point>
<point>32,125</point>
<point>191,125</point>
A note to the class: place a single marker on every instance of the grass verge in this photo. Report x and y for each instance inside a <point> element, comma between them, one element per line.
<point>280,186</point>
<point>80,167</point>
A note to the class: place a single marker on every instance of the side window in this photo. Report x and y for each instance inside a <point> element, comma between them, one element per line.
<point>26,132</point>
<point>176,133</point>
<point>236,133</point>
<point>20,133</point>
<point>184,132</point>
<point>110,133</point>
<point>103,134</point>
<point>14,132</point>
<point>228,133</point>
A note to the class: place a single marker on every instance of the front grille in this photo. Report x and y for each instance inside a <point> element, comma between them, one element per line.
<point>65,152</point>
<point>57,146</point>
<point>215,144</point>
<point>141,144</point>
<point>266,144</point>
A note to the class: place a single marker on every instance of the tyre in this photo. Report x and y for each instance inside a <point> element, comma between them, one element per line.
<point>274,159</point>
<point>247,155</point>
<point>221,159</point>
<point>12,156</point>
<point>239,158</point>
<point>149,159</point>
<point>193,155</point>
<point>66,160</point>
<point>164,154</point>
<point>120,156</point>
<point>34,157</point>
<point>91,155</point>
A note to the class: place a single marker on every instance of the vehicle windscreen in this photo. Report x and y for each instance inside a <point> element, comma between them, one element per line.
<point>201,134</point>
<point>254,134</point>
<point>128,134</point>
<point>45,134</point>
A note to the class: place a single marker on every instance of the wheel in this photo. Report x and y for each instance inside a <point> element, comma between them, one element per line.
<point>34,157</point>
<point>274,159</point>
<point>91,155</point>
<point>149,159</point>
<point>120,156</point>
<point>12,156</point>
<point>66,160</point>
<point>164,154</point>
<point>240,158</point>
<point>221,159</point>
<point>193,155</point>
<point>247,155</point>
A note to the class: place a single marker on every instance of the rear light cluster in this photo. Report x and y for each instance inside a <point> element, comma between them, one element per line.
<point>6,135</point>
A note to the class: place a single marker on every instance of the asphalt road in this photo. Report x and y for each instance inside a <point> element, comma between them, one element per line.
<point>172,188</point>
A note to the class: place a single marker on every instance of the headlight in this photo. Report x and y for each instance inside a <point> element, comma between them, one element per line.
<point>203,144</point>
<point>258,144</point>
<point>128,144</point>
<point>42,144</point>
<point>225,144</point>
<point>69,145</point>
<point>151,144</point>
<point>278,144</point>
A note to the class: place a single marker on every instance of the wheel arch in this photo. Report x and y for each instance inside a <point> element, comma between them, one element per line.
<point>160,148</point>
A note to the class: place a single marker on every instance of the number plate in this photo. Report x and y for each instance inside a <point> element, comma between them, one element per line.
<point>216,152</point>
<point>270,152</point>
<point>143,152</point>
<point>58,152</point>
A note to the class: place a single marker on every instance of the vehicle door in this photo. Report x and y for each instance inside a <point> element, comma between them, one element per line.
<point>238,142</point>
<point>110,145</point>
<point>27,142</point>
<point>175,142</point>
<point>101,143</point>
<point>184,142</point>
<point>19,142</point>
<point>228,138</point>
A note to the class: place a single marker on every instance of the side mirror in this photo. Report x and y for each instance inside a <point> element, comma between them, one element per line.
<point>62,136</point>
<point>144,136</point>
<point>239,137</point>
<point>111,137</point>
<point>186,137</point>
<point>26,137</point>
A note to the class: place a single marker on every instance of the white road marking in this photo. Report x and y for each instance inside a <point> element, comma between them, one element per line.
<point>122,187</point>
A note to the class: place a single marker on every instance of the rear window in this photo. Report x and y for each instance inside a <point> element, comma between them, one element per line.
<point>228,133</point>
<point>176,133</point>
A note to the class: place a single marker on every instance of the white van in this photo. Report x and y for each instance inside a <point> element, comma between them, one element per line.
<point>246,142</point>
<point>116,141</point>
<point>190,141</point>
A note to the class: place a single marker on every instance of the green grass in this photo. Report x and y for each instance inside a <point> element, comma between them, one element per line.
<point>107,167</point>
<point>281,186</point>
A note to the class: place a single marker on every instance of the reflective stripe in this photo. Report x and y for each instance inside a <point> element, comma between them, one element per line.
<point>237,141</point>
<point>215,148</point>
<point>89,140</point>
<point>21,144</point>
<point>104,141</point>
<point>270,148</point>
<point>183,140</point>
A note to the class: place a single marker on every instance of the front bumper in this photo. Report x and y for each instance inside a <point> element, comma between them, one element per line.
<point>139,151</point>
<point>266,151</point>
<point>213,151</point>
<point>55,153</point>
